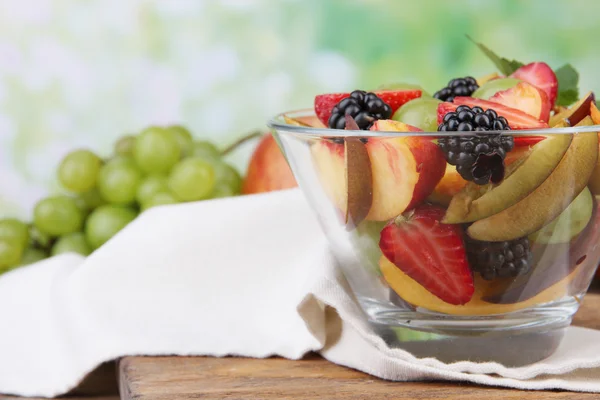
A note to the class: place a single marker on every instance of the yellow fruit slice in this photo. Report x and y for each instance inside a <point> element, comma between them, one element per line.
<point>412,292</point>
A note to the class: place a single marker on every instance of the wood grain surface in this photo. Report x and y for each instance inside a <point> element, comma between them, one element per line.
<point>158,378</point>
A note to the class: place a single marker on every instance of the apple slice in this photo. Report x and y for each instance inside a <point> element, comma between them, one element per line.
<point>540,75</point>
<point>475,202</point>
<point>577,112</point>
<point>527,98</point>
<point>405,169</point>
<point>324,103</point>
<point>548,200</point>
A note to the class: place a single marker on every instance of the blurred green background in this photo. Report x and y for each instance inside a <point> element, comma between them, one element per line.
<point>82,73</point>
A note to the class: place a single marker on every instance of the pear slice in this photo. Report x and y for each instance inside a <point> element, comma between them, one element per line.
<point>359,182</point>
<point>549,199</point>
<point>478,202</point>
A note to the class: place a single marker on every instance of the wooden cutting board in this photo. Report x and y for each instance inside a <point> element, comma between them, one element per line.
<point>166,378</point>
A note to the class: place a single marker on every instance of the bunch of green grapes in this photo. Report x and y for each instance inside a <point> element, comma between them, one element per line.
<point>160,165</point>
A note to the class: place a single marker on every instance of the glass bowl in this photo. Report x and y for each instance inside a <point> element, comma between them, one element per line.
<point>374,190</point>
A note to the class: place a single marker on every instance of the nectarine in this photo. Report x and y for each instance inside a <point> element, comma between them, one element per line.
<point>268,170</point>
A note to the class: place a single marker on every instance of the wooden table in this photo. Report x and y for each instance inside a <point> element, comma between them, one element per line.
<point>166,378</point>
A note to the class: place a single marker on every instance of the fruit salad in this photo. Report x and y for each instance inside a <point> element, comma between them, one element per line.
<point>479,200</point>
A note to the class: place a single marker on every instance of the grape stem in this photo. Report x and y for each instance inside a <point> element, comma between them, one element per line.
<point>241,141</point>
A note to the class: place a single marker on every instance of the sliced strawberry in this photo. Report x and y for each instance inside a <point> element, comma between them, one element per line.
<point>431,253</point>
<point>443,109</point>
<point>527,98</point>
<point>516,119</point>
<point>539,74</point>
<point>324,103</point>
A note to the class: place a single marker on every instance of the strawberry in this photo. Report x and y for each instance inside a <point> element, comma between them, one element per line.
<point>431,253</point>
<point>516,119</point>
<point>539,74</point>
<point>324,103</point>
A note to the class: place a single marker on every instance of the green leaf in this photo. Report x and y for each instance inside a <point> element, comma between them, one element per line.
<point>568,85</point>
<point>504,65</point>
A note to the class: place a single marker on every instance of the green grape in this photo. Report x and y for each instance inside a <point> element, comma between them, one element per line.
<point>13,228</point>
<point>151,185</point>
<point>192,179</point>
<point>226,175</point>
<point>40,238</point>
<point>421,113</point>
<point>72,243</point>
<point>32,255</point>
<point>223,191</point>
<point>156,150</point>
<point>205,150</point>
<point>105,221</point>
<point>11,251</point>
<point>183,137</point>
<point>118,181</point>
<point>124,146</point>
<point>57,215</point>
<point>404,86</point>
<point>159,199</point>
<point>492,87</point>
<point>78,171</point>
<point>89,200</point>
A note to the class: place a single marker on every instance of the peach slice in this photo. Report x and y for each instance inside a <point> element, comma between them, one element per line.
<point>527,98</point>
<point>594,113</point>
<point>415,294</point>
<point>548,200</point>
<point>344,170</point>
<point>405,169</point>
<point>451,184</point>
<point>577,112</point>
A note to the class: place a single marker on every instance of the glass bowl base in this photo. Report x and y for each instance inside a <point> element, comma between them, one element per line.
<point>512,339</point>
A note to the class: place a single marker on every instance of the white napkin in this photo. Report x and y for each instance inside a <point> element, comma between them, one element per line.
<point>249,276</point>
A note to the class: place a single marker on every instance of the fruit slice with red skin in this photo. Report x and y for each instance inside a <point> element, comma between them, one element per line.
<point>594,113</point>
<point>431,253</point>
<point>324,103</point>
<point>540,75</point>
<point>577,112</point>
<point>516,119</point>
<point>359,182</point>
<point>405,169</point>
<point>527,98</point>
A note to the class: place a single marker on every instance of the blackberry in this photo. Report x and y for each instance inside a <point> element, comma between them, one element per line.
<point>478,157</point>
<point>499,259</point>
<point>457,87</point>
<point>364,107</point>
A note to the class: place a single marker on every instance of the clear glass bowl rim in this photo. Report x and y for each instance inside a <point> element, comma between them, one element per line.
<point>278,123</point>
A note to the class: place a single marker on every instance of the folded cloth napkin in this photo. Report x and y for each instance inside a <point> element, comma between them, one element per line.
<point>249,276</point>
